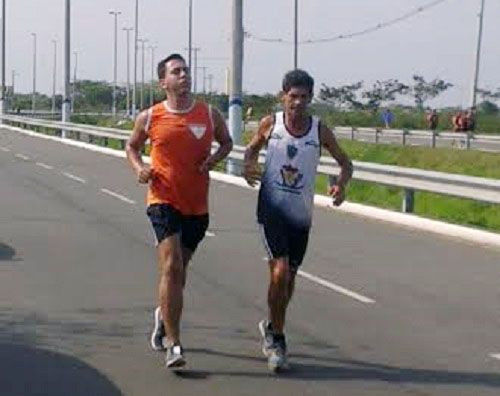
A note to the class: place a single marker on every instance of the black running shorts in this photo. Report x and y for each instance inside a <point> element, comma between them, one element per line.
<point>283,240</point>
<point>167,221</point>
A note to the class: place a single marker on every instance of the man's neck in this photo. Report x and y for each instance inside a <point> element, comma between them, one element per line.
<point>297,123</point>
<point>182,102</point>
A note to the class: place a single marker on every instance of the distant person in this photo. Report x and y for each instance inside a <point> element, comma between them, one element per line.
<point>457,121</point>
<point>181,131</point>
<point>470,117</point>
<point>285,204</point>
<point>432,120</point>
<point>387,118</point>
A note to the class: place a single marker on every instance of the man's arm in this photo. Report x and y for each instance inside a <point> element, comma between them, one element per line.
<point>134,146</point>
<point>328,141</point>
<point>221,135</point>
<point>251,172</point>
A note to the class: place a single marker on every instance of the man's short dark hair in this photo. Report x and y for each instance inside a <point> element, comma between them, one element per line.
<point>162,65</point>
<point>298,78</point>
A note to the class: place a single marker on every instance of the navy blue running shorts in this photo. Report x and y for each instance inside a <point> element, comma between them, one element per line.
<point>283,240</point>
<point>167,221</point>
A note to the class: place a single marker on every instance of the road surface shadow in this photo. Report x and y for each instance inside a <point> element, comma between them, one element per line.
<point>338,369</point>
<point>28,371</point>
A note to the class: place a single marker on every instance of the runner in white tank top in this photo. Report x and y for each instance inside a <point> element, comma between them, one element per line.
<point>284,209</point>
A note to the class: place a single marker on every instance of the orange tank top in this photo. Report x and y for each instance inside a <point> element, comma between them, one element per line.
<point>180,142</point>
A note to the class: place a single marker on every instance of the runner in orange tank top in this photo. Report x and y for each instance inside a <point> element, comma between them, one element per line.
<point>181,132</point>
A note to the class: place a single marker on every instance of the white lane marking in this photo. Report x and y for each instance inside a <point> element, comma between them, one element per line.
<point>337,288</point>
<point>73,177</point>
<point>5,149</point>
<point>42,165</point>
<point>495,356</point>
<point>209,234</point>
<point>332,286</point>
<point>22,156</point>
<point>118,196</point>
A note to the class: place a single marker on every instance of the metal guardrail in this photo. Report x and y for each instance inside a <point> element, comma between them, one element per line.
<point>409,179</point>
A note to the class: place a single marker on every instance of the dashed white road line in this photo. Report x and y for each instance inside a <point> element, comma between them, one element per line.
<point>75,178</point>
<point>337,288</point>
<point>5,149</point>
<point>495,356</point>
<point>332,286</point>
<point>22,156</point>
<point>117,196</point>
<point>209,234</point>
<point>45,166</point>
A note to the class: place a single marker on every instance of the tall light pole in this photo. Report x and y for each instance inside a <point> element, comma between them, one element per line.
<point>190,33</point>
<point>210,80</point>
<point>235,99</point>
<point>204,69</point>
<point>115,59</point>
<point>54,74</point>
<point>136,37</point>
<point>478,56</point>
<point>66,105</point>
<point>2,93</point>
<point>296,35</point>
<point>73,93</point>
<point>195,71</point>
<point>128,30</point>
<point>14,74</point>
<point>143,48</point>
<point>33,95</point>
<point>151,91</point>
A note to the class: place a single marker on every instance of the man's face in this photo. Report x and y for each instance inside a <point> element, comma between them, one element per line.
<point>177,78</point>
<point>296,100</point>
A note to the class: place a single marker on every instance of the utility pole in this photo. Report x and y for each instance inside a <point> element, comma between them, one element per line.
<point>151,91</point>
<point>73,93</point>
<point>195,75</point>
<point>477,57</point>
<point>66,105</point>
<point>14,74</point>
<point>128,30</point>
<point>54,77</point>
<point>235,99</point>
<point>33,95</point>
<point>2,93</point>
<point>210,80</point>
<point>115,59</point>
<point>136,37</point>
<point>143,42</point>
<point>204,69</point>
<point>190,33</point>
<point>296,35</point>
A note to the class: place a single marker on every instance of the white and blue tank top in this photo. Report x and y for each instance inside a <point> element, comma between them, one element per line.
<point>288,182</point>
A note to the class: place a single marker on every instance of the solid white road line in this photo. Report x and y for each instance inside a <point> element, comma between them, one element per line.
<point>209,234</point>
<point>495,356</point>
<point>45,166</point>
<point>22,156</point>
<point>73,177</point>
<point>337,288</point>
<point>4,149</point>
<point>118,196</point>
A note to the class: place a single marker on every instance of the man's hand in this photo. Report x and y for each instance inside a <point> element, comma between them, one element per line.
<point>145,174</point>
<point>338,194</point>
<point>251,173</point>
<point>208,164</point>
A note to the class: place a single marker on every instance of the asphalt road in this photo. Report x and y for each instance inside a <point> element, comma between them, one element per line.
<point>77,290</point>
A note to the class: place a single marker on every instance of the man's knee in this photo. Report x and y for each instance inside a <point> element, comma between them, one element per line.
<point>280,273</point>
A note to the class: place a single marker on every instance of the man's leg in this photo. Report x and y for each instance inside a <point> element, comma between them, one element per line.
<point>280,292</point>
<point>172,276</point>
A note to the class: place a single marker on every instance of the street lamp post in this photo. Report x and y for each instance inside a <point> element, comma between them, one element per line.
<point>151,91</point>
<point>295,35</point>
<point>66,104</point>
<point>128,30</point>
<point>73,93</point>
<point>143,48</point>
<point>54,74</point>
<point>115,59</point>
<point>33,96</point>
<point>190,33</point>
<point>136,37</point>
<point>2,93</point>
<point>14,74</point>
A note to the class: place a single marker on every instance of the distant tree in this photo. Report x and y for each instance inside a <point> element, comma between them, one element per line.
<point>345,95</point>
<point>383,92</point>
<point>489,95</point>
<point>423,91</point>
<point>488,108</point>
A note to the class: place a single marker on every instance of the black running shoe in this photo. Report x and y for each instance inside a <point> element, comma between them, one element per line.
<point>158,332</point>
<point>175,356</point>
